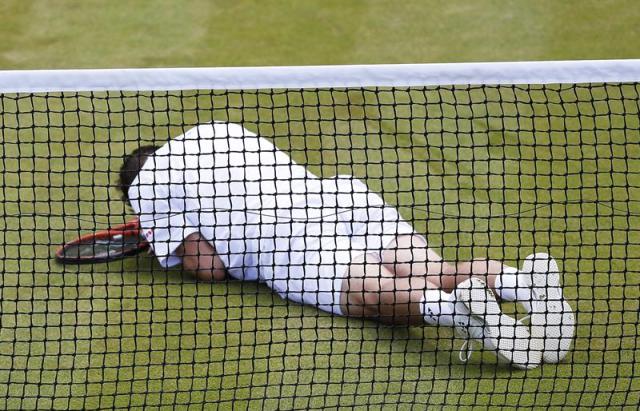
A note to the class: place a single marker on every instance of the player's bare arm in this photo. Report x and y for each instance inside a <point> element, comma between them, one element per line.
<point>200,259</point>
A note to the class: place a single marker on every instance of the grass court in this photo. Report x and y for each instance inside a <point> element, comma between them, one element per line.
<point>547,169</point>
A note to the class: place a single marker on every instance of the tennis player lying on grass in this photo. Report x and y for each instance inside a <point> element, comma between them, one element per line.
<point>223,202</point>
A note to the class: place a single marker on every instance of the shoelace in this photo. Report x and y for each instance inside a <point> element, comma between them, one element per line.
<point>466,350</point>
<point>468,346</point>
<point>535,295</point>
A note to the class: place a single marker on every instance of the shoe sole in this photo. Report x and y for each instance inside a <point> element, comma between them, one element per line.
<point>552,319</point>
<point>511,340</point>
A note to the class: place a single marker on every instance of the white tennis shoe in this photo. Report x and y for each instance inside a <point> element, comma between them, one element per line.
<point>478,317</point>
<point>551,317</point>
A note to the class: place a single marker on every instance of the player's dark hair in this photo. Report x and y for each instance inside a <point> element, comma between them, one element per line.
<point>131,166</point>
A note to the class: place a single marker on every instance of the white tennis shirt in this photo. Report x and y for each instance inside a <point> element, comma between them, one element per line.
<point>259,209</point>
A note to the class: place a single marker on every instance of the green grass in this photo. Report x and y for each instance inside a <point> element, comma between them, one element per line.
<point>93,33</point>
<point>130,335</point>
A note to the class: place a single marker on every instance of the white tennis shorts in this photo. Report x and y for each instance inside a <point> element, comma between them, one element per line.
<point>312,266</point>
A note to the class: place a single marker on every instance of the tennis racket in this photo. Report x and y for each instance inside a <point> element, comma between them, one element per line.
<point>103,246</point>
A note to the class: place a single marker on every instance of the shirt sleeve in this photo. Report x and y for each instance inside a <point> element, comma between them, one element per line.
<point>166,234</point>
<point>165,217</point>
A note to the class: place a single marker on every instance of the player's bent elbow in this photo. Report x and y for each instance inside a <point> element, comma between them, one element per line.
<point>202,270</point>
<point>211,275</point>
<point>200,259</point>
<point>190,263</point>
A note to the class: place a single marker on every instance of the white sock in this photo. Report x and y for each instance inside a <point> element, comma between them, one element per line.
<point>511,287</point>
<point>437,308</point>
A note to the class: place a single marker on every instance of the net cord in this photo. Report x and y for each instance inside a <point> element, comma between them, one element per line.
<point>314,77</point>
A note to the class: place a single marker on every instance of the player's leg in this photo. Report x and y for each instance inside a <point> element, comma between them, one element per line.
<point>409,255</point>
<point>536,286</point>
<point>371,290</point>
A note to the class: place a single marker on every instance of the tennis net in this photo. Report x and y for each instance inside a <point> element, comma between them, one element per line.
<point>485,160</point>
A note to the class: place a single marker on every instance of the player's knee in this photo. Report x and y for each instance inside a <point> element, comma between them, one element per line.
<point>387,293</point>
<point>369,302</point>
<point>376,293</point>
<point>363,303</point>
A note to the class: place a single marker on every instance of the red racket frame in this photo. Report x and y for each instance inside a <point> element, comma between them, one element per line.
<point>131,227</point>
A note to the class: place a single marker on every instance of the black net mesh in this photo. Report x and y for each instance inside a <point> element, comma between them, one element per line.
<point>494,172</point>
